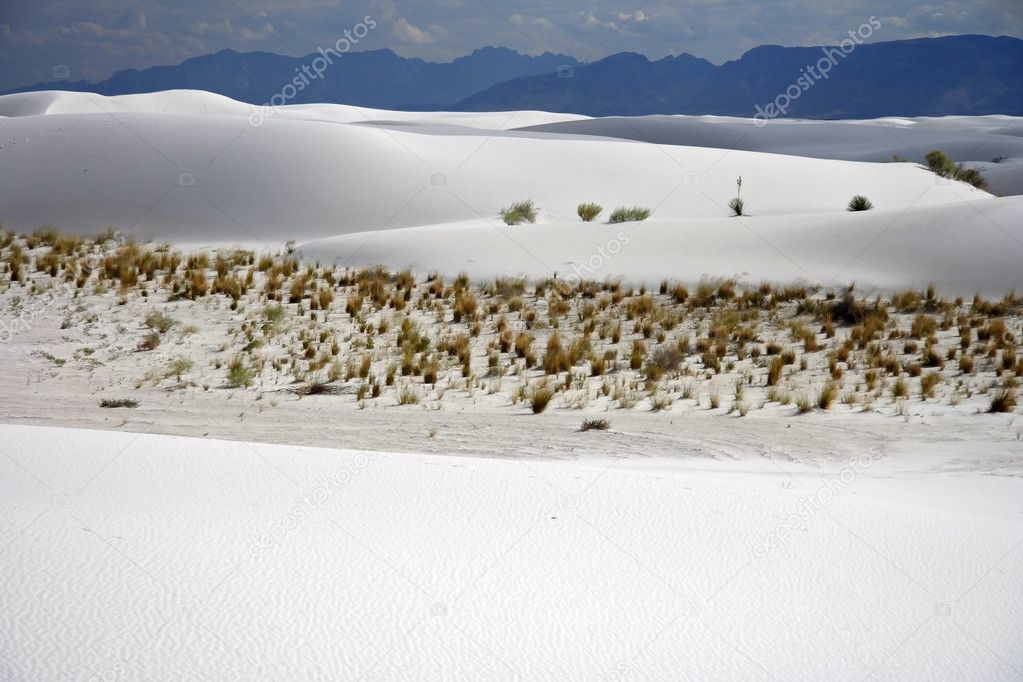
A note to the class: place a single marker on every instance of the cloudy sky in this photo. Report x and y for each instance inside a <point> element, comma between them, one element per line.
<point>93,38</point>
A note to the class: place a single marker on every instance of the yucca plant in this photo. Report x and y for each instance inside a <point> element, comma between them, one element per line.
<point>519,212</point>
<point>624,214</point>
<point>589,212</point>
<point>860,203</point>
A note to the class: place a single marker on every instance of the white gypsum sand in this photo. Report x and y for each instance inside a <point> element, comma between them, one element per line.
<point>784,490</point>
<point>154,557</point>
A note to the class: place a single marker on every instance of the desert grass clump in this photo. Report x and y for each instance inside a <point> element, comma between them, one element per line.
<point>626,214</point>
<point>665,358</point>
<point>659,402</point>
<point>859,203</point>
<point>774,370</point>
<point>238,375</point>
<point>179,366</point>
<point>827,395</point>
<point>714,396</point>
<point>637,355</point>
<point>928,383</point>
<point>1003,400</point>
<point>150,341</point>
<point>407,395</point>
<point>118,402</point>
<point>589,212</point>
<point>737,206</point>
<point>595,425</point>
<point>539,398</point>
<point>519,212</point>
<point>556,359</point>
<point>160,322</point>
<point>900,389</point>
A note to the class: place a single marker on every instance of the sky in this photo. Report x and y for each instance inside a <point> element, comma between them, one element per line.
<point>44,40</point>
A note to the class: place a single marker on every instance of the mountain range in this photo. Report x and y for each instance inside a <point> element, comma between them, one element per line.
<point>965,74</point>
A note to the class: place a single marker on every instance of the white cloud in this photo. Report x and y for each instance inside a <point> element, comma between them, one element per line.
<point>409,33</point>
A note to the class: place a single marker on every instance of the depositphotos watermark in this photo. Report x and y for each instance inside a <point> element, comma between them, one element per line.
<point>812,505</point>
<point>307,505</point>
<point>603,255</point>
<point>312,71</point>
<point>812,73</point>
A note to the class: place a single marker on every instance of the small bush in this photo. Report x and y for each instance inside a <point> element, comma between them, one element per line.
<point>624,214</point>
<point>238,375</point>
<point>589,212</point>
<point>860,203</point>
<point>940,164</point>
<point>595,425</point>
<point>160,322</point>
<point>738,207</point>
<point>1003,401</point>
<point>519,212</point>
<point>180,365</point>
<point>118,402</point>
<point>149,342</point>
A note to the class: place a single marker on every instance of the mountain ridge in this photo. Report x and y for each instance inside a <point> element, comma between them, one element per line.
<point>964,74</point>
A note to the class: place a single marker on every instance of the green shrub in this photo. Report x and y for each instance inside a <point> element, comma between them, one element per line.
<point>940,164</point>
<point>238,374</point>
<point>178,366</point>
<point>860,203</point>
<point>150,341</point>
<point>972,176</point>
<point>519,212</point>
<point>589,212</point>
<point>160,322</point>
<point>624,214</point>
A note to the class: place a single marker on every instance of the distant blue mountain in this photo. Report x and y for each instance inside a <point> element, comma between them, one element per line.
<point>967,75</point>
<point>925,77</point>
<point>377,78</point>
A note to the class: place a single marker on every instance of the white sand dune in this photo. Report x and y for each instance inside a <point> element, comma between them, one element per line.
<point>977,140</point>
<point>152,557</point>
<point>962,249</point>
<point>190,167</point>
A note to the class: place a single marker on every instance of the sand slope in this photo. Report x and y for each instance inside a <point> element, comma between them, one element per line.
<point>962,249</point>
<point>191,167</point>
<point>158,557</point>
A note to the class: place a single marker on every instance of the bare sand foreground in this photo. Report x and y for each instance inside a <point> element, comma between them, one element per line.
<point>137,557</point>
